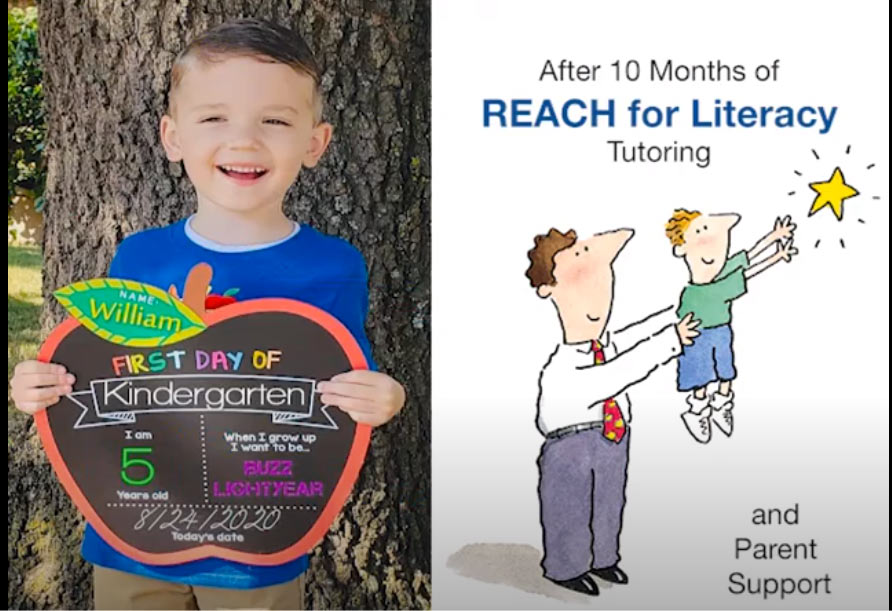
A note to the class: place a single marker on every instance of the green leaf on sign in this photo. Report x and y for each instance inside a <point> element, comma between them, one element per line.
<point>129,313</point>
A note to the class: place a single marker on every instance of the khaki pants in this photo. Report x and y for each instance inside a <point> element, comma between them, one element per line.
<point>118,590</point>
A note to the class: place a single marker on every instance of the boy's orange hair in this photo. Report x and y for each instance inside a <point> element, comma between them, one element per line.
<point>678,224</point>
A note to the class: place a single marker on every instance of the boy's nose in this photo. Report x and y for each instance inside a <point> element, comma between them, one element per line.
<point>728,220</point>
<point>243,138</point>
<point>243,144</point>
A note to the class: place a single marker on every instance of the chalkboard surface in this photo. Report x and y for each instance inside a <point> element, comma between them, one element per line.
<point>216,445</point>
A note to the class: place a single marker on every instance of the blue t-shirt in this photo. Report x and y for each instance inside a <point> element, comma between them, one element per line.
<point>308,266</point>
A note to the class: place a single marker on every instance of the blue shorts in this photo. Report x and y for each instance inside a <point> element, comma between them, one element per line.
<point>710,358</point>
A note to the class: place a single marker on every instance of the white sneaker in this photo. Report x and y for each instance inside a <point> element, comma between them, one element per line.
<point>721,411</point>
<point>696,419</point>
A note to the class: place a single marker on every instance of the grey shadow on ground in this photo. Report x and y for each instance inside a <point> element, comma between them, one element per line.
<point>513,565</point>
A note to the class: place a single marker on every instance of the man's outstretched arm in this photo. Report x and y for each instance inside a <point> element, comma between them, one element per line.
<point>595,383</point>
<point>630,335</point>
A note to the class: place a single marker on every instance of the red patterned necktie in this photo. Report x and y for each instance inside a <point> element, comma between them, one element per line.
<point>614,427</point>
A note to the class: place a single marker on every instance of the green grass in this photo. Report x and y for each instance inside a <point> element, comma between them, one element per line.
<point>23,302</point>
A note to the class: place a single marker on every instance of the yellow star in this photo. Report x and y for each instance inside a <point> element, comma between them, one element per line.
<point>831,193</point>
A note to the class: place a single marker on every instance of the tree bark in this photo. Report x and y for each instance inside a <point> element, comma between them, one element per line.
<point>106,69</point>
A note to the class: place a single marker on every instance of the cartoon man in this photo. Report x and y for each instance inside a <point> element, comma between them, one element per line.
<point>716,281</point>
<point>583,406</point>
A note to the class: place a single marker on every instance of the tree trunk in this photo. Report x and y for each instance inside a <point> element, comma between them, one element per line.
<point>105,81</point>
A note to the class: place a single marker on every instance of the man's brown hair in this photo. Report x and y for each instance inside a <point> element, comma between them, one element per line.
<point>541,270</point>
<point>262,40</point>
<point>678,224</point>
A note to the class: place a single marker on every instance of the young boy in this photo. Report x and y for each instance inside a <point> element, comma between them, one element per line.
<point>244,117</point>
<point>716,280</point>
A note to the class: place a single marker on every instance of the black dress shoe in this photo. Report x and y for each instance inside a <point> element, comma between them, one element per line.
<point>613,574</point>
<point>584,584</point>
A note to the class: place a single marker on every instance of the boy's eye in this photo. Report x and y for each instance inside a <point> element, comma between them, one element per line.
<point>276,122</point>
<point>211,119</point>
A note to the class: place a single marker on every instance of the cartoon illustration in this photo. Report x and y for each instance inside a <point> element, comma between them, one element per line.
<point>583,408</point>
<point>835,195</point>
<point>831,193</point>
<point>213,301</point>
<point>716,281</point>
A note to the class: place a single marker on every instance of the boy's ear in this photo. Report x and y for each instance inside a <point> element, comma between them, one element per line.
<point>679,250</point>
<point>170,138</point>
<point>319,141</point>
<point>543,291</point>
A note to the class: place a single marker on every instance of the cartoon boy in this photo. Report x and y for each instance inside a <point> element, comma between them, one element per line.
<point>716,281</point>
<point>583,404</point>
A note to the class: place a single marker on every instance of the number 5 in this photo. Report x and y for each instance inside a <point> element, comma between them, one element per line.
<point>127,461</point>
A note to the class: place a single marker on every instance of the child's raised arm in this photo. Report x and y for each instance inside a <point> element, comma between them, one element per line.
<point>783,230</point>
<point>785,252</point>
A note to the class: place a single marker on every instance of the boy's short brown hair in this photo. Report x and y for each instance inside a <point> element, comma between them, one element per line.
<point>678,224</point>
<point>541,270</point>
<point>262,40</point>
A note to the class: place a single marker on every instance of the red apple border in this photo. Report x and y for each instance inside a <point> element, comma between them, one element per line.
<point>326,517</point>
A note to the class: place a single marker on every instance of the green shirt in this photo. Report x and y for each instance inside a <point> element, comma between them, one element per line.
<point>711,303</point>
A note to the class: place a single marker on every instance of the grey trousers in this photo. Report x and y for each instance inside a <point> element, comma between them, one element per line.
<point>582,491</point>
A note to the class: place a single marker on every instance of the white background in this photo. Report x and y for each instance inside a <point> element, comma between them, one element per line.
<point>812,394</point>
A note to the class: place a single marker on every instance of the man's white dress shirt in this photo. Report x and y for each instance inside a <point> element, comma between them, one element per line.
<point>572,388</point>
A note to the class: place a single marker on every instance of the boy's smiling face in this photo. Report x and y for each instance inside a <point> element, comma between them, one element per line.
<point>706,243</point>
<point>243,129</point>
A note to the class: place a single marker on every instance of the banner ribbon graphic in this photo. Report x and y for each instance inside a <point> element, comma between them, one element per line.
<point>115,401</point>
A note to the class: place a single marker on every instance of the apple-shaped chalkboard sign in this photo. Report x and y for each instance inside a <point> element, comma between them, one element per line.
<point>194,432</point>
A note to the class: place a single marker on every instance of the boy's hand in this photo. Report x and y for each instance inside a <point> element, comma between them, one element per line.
<point>787,251</point>
<point>369,397</point>
<point>686,329</point>
<point>36,385</point>
<point>783,229</point>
